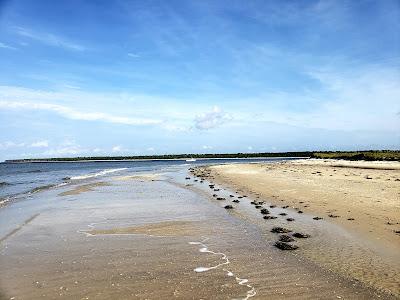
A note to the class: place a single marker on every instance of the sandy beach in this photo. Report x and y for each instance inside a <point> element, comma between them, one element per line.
<point>174,233</point>
<point>362,198</point>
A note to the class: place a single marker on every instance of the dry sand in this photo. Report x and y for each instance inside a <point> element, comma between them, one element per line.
<point>368,192</point>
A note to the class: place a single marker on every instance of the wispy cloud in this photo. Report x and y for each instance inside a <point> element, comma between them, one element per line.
<point>9,144</point>
<point>211,119</point>
<point>49,39</point>
<point>5,46</point>
<point>133,55</point>
<point>73,114</point>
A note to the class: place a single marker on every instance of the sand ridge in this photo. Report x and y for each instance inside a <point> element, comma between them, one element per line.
<point>83,188</point>
<point>167,228</point>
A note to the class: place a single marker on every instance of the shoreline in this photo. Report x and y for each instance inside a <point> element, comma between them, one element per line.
<point>363,205</point>
<point>154,159</point>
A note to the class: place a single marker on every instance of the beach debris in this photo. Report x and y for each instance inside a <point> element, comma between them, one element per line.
<point>290,219</point>
<point>299,211</point>
<point>367,177</point>
<point>221,198</point>
<point>397,232</point>
<point>264,211</point>
<point>240,197</point>
<point>285,246</point>
<point>301,235</point>
<point>286,238</point>
<point>216,190</point>
<point>283,214</point>
<point>231,196</point>
<point>272,206</point>
<point>280,230</point>
<point>215,195</point>
<point>269,217</point>
<point>286,206</point>
<point>228,207</point>
<point>333,216</point>
<point>350,219</point>
<point>258,206</point>
<point>254,202</point>
<point>236,201</point>
<point>187,178</point>
<point>317,218</point>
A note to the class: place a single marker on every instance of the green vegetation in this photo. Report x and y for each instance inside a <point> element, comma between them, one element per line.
<point>360,155</point>
<point>390,155</point>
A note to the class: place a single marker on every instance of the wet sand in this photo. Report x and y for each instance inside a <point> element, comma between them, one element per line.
<point>82,188</point>
<point>361,199</point>
<point>144,239</point>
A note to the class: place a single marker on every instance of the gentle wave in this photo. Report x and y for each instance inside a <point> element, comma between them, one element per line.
<point>241,281</point>
<point>101,173</point>
<point>3,201</point>
<point>11,198</point>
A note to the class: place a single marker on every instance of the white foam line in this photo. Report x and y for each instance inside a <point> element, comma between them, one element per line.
<point>241,281</point>
<point>101,173</point>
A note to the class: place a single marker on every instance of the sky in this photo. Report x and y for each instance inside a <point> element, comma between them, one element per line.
<point>93,78</point>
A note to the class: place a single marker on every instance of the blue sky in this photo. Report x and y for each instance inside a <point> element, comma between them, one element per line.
<point>155,77</point>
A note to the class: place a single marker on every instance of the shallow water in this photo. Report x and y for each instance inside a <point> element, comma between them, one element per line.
<point>149,239</point>
<point>18,180</point>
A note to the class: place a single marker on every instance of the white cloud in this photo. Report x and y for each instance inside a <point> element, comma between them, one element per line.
<point>150,149</point>
<point>40,144</point>
<point>49,39</point>
<point>205,147</point>
<point>5,46</point>
<point>116,149</point>
<point>250,148</point>
<point>73,114</point>
<point>211,119</point>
